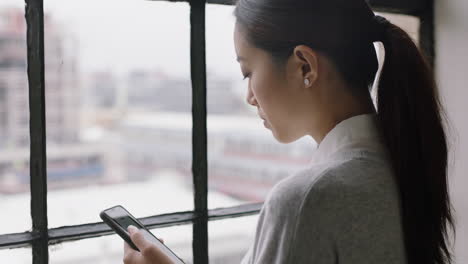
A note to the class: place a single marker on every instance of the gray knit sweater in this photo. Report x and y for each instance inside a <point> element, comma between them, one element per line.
<point>344,208</point>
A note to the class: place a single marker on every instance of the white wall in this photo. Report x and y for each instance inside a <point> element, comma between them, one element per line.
<point>452,74</point>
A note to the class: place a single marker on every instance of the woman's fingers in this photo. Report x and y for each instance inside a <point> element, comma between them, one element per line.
<point>129,254</point>
<point>127,249</point>
<point>147,249</point>
<point>138,239</point>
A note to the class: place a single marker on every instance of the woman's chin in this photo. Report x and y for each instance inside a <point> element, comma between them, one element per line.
<point>284,138</point>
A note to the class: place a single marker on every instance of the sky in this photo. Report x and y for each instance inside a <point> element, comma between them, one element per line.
<point>121,35</point>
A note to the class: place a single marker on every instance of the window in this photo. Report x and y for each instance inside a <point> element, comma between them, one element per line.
<point>229,245</point>
<point>124,147</point>
<point>108,249</point>
<point>17,256</point>
<point>14,127</point>
<point>143,117</point>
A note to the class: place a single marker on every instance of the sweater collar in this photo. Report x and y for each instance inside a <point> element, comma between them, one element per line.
<point>357,132</point>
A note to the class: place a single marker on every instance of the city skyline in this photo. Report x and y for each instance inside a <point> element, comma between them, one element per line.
<point>102,46</point>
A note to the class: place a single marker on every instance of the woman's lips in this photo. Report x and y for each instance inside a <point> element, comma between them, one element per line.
<point>265,122</point>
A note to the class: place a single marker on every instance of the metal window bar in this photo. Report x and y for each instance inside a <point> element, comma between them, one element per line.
<point>40,236</point>
<point>78,232</point>
<point>199,131</point>
<point>38,174</point>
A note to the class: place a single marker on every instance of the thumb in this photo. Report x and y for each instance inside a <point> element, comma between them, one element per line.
<point>137,238</point>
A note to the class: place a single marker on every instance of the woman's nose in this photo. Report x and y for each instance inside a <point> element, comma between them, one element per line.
<point>251,98</point>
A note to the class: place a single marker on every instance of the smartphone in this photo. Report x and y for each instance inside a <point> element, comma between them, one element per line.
<point>118,218</point>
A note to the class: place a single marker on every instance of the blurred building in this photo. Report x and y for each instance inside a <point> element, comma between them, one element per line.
<point>154,91</point>
<point>14,115</point>
<point>102,90</point>
<point>61,80</point>
<point>244,159</point>
<point>69,160</point>
<point>222,98</point>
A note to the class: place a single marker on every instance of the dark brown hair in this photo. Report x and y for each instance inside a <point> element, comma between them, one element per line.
<point>409,112</point>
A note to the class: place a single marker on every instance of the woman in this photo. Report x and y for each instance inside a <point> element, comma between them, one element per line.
<point>377,189</point>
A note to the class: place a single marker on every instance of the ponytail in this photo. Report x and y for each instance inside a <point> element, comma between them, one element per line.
<point>409,113</point>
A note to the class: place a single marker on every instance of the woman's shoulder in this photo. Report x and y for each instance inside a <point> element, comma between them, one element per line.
<point>343,206</point>
<point>336,184</point>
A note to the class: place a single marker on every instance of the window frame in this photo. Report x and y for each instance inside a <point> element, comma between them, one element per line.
<point>41,236</point>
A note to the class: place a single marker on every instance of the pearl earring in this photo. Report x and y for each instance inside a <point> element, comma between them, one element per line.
<point>306,81</point>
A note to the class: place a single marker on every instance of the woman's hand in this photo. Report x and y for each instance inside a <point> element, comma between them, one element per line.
<point>149,252</point>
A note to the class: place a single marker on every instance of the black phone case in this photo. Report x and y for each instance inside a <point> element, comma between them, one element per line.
<point>123,233</point>
<point>117,228</point>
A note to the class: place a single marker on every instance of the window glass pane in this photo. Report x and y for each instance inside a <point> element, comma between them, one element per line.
<point>14,120</point>
<point>229,245</point>
<point>109,249</point>
<point>244,158</point>
<point>16,256</point>
<point>118,101</point>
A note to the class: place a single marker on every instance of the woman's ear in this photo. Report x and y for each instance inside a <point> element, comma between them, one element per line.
<point>307,60</point>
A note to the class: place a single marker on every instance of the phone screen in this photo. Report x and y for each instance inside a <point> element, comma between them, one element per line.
<point>124,219</point>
